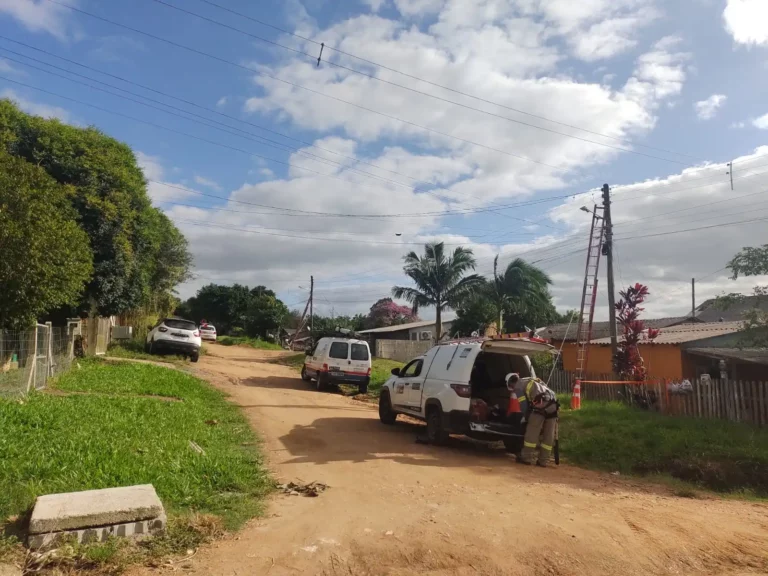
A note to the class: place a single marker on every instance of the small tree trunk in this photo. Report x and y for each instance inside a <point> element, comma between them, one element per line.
<point>438,323</point>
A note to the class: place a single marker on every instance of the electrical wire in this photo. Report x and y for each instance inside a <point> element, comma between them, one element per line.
<point>295,85</point>
<point>236,131</point>
<point>455,91</point>
<point>446,100</point>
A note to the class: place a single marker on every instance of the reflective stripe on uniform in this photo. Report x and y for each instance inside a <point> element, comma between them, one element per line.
<point>522,399</point>
<point>546,447</point>
<point>529,444</point>
<point>529,388</point>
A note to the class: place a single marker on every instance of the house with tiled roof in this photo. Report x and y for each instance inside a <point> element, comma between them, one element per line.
<point>683,349</point>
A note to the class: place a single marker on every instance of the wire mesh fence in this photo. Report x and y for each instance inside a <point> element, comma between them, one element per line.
<point>28,358</point>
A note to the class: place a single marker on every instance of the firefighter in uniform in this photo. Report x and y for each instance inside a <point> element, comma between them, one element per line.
<point>542,410</point>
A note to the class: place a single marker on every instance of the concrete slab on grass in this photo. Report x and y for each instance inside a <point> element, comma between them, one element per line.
<point>137,529</point>
<point>95,508</point>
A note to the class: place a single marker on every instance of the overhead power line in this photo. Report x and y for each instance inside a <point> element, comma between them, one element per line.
<point>227,128</point>
<point>299,212</point>
<point>431,83</point>
<point>295,85</point>
<point>446,100</point>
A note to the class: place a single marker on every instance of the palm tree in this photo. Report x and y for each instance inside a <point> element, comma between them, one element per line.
<point>439,278</point>
<point>523,289</point>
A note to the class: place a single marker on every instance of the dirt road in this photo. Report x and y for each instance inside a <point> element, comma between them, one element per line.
<point>399,508</point>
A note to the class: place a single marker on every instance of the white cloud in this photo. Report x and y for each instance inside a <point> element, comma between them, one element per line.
<point>747,21</point>
<point>761,122</point>
<point>160,190</point>
<point>38,15</point>
<point>417,7</point>
<point>738,125</point>
<point>651,249</point>
<point>222,101</point>
<point>207,183</point>
<point>706,109</point>
<point>37,108</point>
<point>521,53</point>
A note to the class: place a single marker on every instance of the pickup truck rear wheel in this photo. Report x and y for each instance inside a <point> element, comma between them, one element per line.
<point>386,414</point>
<point>436,433</point>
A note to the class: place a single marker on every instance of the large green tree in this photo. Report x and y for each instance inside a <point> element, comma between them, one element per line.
<point>514,299</point>
<point>45,257</point>
<point>521,296</point>
<point>136,250</point>
<point>750,261</point>
<point>440,280</point>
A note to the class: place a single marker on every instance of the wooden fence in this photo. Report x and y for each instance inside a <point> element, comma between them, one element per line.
<point>734,400</point>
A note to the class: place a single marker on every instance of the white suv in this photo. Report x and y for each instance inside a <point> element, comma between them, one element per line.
<point>174,335</point>
<point>459,387</point>
<point>208,332</point>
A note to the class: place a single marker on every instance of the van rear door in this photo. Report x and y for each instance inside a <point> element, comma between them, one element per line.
<point>359,359</point>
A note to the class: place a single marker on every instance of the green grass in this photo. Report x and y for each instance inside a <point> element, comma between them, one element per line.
<point>381,370</point>
<point>112,434</point>
<point>134,349</point>
<point>717,455</point>
<point>257,343</point>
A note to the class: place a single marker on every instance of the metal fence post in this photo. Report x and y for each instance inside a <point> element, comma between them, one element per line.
<point>32,360</point>
<point>49,350</point>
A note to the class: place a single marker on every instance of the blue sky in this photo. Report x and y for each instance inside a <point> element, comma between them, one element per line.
<point>682,81</point>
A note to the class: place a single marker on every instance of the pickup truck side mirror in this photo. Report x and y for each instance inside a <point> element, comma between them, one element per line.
<point>395,371</point>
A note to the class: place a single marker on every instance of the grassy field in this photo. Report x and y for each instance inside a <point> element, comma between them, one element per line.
<point>257,343</point>
<point>134,349</point>
<point>712,454</point>
<point>381,369</point>
<point>118,424</point>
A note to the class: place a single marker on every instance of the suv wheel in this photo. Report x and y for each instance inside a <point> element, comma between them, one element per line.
<point>386,414</point>
<point>436,434</point>
<point>195,357</point>
<point>304,374</point>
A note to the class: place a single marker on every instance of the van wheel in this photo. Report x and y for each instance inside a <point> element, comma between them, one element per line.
<point>386,414</point>
<point>436,434</point>
<point>304,375</point>
<point>322,385</point>
<point>363,388</point>
<point>513,445</point>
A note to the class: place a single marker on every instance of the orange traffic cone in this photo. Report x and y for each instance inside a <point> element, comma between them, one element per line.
<point>576,396</point>
<point>514,404</point>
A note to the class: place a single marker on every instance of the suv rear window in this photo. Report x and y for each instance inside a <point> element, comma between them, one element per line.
<point>180,324</point>
<point>339,350</point>
<point>359,352</point>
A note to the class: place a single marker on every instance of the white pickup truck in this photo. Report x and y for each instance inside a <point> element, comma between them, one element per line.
<point>459,387</point>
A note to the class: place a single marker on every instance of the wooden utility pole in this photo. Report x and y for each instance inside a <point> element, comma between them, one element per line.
<point>693,298</point>
<point>311,304</point>
<point>608,252</point>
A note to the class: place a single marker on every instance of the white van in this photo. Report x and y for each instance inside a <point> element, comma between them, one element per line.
<point>459,387</point>
<point>338,361</point>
